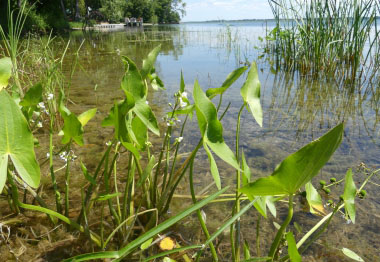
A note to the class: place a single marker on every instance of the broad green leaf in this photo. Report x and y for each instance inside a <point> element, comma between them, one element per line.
<point>72,129</point>
<point>33,96</point>
<point>132,81</point>
<point>117,118</point>
<point>271,206</point>
<point>251,94</point>
<point>86,175</point>
<point>211,128</point>
<point>156,82</point>
<point>314,200</point>
<point>292,248</point>
<point>246,171</point>
<point>231,78</point>
<point>147,171</point>
<point>223,151</point>
<point>146,115</point>
<point>146,244</point>
<point>298,168</point>
<point>132,149</point>
<point>351,254</point>
<point>147,235</point>
<point>86,116</point>
<point>16,141</point>
<point>213,167</point>
<point>261,205</point>
<point>349,196</point>
<point>5,71</point>
<point>148,63</point>
<point>139,131</point>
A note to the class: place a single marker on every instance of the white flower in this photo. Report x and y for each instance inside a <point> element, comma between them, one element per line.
<point>146,102</point>
<point>41,105</point>
<point>179,139</point>
<point>39,124</point>
<point>183,96</point>
<point>50,96</point>
<point>47,155</point>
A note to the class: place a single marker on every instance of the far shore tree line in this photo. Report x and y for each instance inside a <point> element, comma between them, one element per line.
<point>56,14</point>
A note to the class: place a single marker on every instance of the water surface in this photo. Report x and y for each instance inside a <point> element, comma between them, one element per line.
<point>296,111</point>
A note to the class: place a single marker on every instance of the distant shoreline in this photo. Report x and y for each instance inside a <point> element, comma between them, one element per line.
<point>237,21</point>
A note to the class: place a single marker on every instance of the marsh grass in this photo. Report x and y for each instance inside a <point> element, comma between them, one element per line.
<point>324,37</point>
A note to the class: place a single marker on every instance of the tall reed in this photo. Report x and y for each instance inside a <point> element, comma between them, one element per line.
<point>322,37</point>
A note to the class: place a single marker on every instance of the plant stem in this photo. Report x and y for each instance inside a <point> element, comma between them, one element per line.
<point>237,155</point>
<point>67,179</point>
<point>201,221</point>
<point>274,248</point>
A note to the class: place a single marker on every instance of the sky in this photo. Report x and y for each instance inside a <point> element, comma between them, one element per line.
<point>204,10</point>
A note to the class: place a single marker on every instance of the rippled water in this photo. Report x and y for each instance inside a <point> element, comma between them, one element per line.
<point>296,111</point>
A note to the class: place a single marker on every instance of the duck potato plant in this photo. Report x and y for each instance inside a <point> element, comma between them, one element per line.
<point>122,221</point>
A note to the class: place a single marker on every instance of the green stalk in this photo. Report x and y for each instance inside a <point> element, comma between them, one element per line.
<point>201,221</point>
<point>274,247</point>
<point>90,188</point>
<point>237,224</point>
<point>52,174</point>
<point>67,179</point>
<point>115,182</point>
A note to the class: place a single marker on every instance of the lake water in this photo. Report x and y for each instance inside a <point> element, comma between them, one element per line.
<point>296,111</point>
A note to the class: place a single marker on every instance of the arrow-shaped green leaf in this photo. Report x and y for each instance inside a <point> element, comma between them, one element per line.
<point>16,141</point>
<point>298,168</point>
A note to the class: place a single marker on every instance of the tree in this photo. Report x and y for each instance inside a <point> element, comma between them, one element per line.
<point>113,10</point>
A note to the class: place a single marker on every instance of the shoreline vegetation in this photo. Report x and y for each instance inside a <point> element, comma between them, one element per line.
<point>44,16</point>
<point>118,206</point>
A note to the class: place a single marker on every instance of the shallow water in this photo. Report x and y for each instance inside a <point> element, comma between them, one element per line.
<point>296,111</point>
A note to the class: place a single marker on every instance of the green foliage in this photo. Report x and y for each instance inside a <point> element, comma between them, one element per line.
<point>351,254</point>
<point>212,132</point>
<point>16,142</point>
<point>251,94</point>
<point>349,196</point>
<point>113,10</point>
<point>5,71</point>
<point>147,235</point>
<point>231,78</point>
<point>292,248</point>
<point>73,126</point>
<point>299,168</point>
<point>314,199</point>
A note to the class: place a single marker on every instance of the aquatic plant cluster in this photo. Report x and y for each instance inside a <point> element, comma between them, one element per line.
<point>123,223</point>
<point>325,37</point>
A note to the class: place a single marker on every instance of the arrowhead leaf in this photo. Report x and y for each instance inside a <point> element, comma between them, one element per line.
<point>231,78</point>
<point>16,141</point>
<point>251,94</point>
<point>298,168</point>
